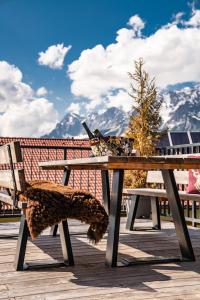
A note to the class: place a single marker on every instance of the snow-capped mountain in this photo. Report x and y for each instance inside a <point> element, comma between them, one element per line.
<point>112,122</point>
<point>180,112</point>
<point>181,108</point>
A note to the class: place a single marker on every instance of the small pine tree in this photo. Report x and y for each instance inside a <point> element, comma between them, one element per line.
<point>145,120</point>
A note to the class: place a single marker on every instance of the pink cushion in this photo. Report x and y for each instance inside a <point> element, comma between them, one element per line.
<point>194,180</point>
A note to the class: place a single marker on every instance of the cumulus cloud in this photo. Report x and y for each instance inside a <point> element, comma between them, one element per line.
<point>21,112</point>
<point>136,23</point>
<point>194,21</point>
<point>120,99</point>
<point>171,54</point>
<point>178,18</point>
<point>54,56</point>
<point>74,108</point>
<point>42,91</point>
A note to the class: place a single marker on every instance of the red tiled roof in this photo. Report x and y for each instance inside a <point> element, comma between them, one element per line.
<point>87,180</point>
<point>45,141</point>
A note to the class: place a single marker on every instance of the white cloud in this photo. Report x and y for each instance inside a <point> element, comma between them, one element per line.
<point>171,54</point>
<point>194,21</point>
<point>54,56</point>
<point>42,91</point>
<point>120,99</point>
<point>22,113</point>
<point>177,19</point>
<point>74,108</point>
<point>136,23</point>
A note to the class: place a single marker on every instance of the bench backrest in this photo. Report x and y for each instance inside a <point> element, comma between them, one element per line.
<point>181,177</point>
<point>11,178</point>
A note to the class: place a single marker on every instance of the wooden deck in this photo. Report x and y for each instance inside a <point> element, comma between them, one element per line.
<point>90,279</point>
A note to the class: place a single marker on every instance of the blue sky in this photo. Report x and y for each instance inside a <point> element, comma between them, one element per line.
<point>28,28</point>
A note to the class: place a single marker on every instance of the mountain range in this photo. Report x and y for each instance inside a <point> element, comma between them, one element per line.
<point>180,112</point>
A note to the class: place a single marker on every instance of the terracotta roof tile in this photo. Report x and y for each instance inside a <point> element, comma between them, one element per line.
<point>45,141</point>
<point>87,180</point>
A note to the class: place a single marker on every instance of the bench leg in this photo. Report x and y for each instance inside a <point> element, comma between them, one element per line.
<point>54,230</point>
<point>132,212</point>
<point>155,210</point>
<point>66,243</point>
<point>21,245</point>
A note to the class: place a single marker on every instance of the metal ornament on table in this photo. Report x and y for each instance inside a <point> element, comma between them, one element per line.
<point>108,145</point>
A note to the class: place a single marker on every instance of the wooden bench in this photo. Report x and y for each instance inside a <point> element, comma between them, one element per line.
<point>12,180</point>
<point>182,178</point>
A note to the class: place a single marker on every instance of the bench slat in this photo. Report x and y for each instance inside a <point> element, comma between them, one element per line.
<point>156,177</point>
<point>6,179</point>
<point>6,198</point>
<point>159,193</point>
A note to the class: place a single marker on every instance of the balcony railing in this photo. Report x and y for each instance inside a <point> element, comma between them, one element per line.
<point>180,149</point>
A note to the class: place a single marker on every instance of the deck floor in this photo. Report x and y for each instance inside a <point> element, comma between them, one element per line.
<point>89,278</point>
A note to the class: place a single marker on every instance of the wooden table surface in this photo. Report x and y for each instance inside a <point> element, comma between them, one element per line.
<point>124,162</point>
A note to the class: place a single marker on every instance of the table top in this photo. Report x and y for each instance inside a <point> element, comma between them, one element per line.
<point>125,163</point>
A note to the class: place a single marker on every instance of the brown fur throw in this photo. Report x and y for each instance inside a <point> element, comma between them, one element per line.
<point>49,203</point>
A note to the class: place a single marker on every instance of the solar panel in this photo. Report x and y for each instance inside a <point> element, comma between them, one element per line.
<point>195,136</point>
<point>179,138</point>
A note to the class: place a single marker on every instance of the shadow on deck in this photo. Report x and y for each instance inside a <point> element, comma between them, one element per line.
<point>90,278</point>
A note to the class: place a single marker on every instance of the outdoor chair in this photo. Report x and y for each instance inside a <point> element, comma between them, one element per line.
<point>45,204</point>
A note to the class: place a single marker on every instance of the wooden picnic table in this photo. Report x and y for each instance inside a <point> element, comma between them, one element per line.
<point>113,199</point>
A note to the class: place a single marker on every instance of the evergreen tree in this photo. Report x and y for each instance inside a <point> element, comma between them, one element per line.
<point>145,119</point>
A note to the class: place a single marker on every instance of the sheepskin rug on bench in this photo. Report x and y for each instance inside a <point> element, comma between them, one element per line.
<point>49,203</point>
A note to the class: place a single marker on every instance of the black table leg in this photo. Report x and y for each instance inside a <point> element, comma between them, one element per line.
<point>114,218</point>
<point>178,215</point>
<point>105,189</point>
<point>114,224</point>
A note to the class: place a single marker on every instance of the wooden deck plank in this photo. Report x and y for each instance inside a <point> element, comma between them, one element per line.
<point>90,279</point>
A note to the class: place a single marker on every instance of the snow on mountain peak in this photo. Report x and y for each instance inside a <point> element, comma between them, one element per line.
<point>180,111</point>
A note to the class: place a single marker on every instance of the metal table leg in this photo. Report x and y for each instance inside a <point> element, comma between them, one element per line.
<point>105,189</point>
<point>114,224</point>
<point>114,218</point>
<point>178,215</point>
